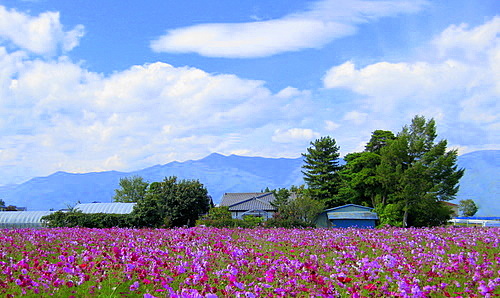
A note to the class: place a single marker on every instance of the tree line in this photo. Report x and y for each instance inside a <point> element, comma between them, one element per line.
<point>405,177</point>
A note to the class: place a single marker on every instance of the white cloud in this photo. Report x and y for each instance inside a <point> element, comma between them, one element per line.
<point>294,135</point>
<point>331,126</point>
<point>76,120</point>
<point>460,87</point>
<point>43,35</point>
<point>324,22</point>
<point>356,117</point>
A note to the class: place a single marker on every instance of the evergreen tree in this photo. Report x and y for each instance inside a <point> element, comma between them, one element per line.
<point>321,170</point>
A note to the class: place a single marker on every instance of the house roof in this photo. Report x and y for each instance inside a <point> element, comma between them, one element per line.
<point>339,208</point>
<point>351,211</point>
<point>248,201</point>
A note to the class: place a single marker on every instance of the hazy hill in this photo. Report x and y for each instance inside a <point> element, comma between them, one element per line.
<point>481,181</point>
<point>217,172</point>
<point>233,173</point>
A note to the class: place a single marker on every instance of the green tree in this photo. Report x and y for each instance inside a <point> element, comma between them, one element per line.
<point>360,182</point>
<point>282,196</point>
<point>418,173</point>
<point>132,189</point>
<point>378,140</point>
<point>219,213</point>
<point>321,170</point>
<point>303,208</point>
<point>2,203</point>
<point>172,203</point>
<point>467,207</point>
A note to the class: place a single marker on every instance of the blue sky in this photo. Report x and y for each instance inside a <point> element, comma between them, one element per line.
<point>123,85</point>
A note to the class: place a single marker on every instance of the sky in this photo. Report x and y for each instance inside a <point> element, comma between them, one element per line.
<point>90,86</point>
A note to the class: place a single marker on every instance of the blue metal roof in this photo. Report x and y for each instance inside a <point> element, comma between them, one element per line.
<point>349,206</point>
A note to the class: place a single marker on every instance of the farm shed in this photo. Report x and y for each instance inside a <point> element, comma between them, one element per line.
<point>22,219</point>
<point>346,216</point>
<point>109,208</point>
<point>255,204</point>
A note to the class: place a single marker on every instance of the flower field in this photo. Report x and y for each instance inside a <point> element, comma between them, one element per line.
<point>209,262</point>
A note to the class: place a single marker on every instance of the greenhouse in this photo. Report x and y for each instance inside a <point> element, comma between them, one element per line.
<point>22,219</point>
<point>110,208</point>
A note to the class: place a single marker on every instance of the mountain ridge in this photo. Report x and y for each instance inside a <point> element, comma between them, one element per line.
<point>232,173</point>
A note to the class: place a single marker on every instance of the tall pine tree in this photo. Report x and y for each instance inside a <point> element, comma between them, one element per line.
<point>321,171</point>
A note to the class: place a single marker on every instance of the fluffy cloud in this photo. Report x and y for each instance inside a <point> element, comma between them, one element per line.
<point>294,135</point>
<point>43,35</point>
<point>325,21</point>
<point>460,86</point>
<point>56,115</point>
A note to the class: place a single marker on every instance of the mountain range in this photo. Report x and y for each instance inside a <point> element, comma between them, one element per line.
<point>221,174</point>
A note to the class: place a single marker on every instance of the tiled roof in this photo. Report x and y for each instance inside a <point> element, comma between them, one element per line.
<point>248,201</point>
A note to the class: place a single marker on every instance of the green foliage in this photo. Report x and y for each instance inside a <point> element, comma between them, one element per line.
<point>2,203</point>
<point>296,208</point>
<point>172,203</point>
<point>218,213</point>
<point>467,207</point>
<point>378,140</point>
<point>321,170</point>
<point>418,173</point>
<point>132,189</point>
<point>360,183</point>
<point>246,222</point>
<point>389,214</point>
<point>282,196</point>
<point>303,208</point>
<point>404,177</point>
<point>289,223</point>
<point>86,220</point>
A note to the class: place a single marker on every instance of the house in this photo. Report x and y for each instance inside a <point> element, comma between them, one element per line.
<point>254,203</point>
<point>346,216</point>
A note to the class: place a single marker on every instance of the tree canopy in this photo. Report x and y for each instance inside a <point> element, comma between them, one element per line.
<point>132,189</point>
<point>172,203</point>
<point>405,177</point>
<point>467,207</point>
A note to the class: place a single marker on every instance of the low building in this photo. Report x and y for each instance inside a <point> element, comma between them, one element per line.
<point>109,208</point>
<point>255,204</point>
<point>347,216</point>
<point>32,219</point>
<point>22,219</point>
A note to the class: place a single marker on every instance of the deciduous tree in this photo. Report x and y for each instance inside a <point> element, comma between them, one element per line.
<point>132,189</point>
<point>467,207</point>
<point>172,203</point>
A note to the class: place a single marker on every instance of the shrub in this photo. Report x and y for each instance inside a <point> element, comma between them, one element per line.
<point>88,220</point>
